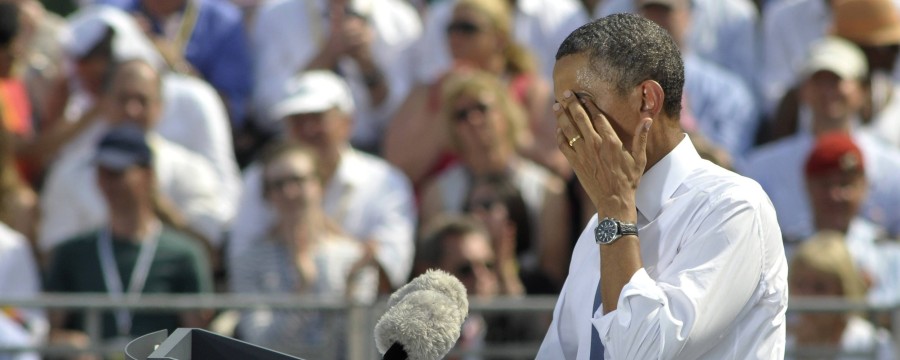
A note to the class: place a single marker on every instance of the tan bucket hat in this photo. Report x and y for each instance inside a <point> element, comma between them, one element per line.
<point>866,22</point>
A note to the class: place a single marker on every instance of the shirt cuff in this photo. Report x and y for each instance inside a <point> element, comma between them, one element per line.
<point>640,285</point>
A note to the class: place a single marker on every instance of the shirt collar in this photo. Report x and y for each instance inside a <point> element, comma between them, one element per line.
<point>660,182</point>
<point>347,170</point>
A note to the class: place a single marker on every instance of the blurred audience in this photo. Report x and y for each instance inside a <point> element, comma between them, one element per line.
<point>304,252</point>
<point>18,202</point>
<point>874,26</point>
<point>136,251</point>
<point>485,126</point>
<point>42,54</point>
<point>722,31</point>
<point>202,37</point>
<point>192,114</point>
<point>539,25</point>
<point>784,53</point>
<point>496,202</point>
<point>823,267</point>
<point>721,105</point>
<point>370,200</point>
<point>71,201</point>
<point>19,278</point>
<point>368,42</point>
<point>479,35</point>
<point>832,89</point>
<point>462,247</point>
<point>15,106</point>
<point>836,183</point>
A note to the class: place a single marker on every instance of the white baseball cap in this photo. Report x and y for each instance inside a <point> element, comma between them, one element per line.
<point>314,92</point>
<point>838,56</point>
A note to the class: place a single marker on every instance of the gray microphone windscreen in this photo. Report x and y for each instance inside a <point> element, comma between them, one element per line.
<point>425,316</point>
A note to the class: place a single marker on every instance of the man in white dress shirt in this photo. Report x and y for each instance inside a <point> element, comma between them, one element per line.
<point>71,202</point>
<point>371,200</point>
<point>684,259</point>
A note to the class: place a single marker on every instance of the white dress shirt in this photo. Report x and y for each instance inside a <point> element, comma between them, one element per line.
<point>886,124</point>
<point>287,35</point>
<point>367,197</point>
<point>195,117</point>
<point>778,167</point>
<point>714,281</point>
<point>19,279</point>
<point>71,202</point>
<point>539,25</point>
<point>722,31</point>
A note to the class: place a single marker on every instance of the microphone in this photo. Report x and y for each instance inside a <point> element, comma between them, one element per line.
<point>424,318</point>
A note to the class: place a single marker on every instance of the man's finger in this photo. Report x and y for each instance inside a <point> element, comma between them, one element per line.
<point>564,122</point>
<point>599,121</point>
<point>563,143</point>
<point>580,118</point>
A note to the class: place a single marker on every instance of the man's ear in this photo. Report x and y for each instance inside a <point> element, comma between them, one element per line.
<point>652,98</point>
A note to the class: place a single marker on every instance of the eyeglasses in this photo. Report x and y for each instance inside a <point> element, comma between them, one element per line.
<point>461,115</point>
<point>281,182</point>
<point>468,269</point>
<point>463,28</point>
<point>483,204</point>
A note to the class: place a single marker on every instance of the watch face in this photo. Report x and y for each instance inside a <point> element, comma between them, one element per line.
<point>606,231</point>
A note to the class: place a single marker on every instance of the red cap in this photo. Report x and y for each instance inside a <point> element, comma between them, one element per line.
<point>834,151</point>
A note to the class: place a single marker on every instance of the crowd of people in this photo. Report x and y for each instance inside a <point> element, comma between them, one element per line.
<point>341,147</point>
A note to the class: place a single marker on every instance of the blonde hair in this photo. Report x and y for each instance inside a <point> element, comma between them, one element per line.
<point>474,84</point>
<point>827,252</point>
<point>500,15</point>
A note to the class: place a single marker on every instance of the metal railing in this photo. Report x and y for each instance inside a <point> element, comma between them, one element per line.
<point>359,341</point>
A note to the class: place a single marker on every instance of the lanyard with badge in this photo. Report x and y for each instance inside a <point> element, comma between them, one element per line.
<point>139,273</point>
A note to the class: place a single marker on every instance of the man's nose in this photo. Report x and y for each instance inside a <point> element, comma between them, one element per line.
<point>134,109</point>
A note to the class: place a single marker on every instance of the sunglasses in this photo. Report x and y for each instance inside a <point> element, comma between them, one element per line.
<point>483,204</point>
<point>463,28</point>
<point>282,182</point>
<point>461,115</point>
<point>468,270</point>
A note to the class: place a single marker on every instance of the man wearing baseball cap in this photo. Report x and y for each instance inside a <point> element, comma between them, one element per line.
<point>832,89</point>
<point>371,200</point>
<point>835,176</point>
<point>160,258</point>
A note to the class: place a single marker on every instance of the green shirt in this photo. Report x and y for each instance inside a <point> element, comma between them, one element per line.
<point>179,266</point>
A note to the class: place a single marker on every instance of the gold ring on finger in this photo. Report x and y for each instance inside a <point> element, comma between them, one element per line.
<point>574,139</point>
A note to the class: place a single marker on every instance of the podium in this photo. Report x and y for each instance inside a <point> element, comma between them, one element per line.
<point>196,344</point>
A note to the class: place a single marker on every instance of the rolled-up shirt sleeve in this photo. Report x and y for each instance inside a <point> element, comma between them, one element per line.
<point>693,302</point>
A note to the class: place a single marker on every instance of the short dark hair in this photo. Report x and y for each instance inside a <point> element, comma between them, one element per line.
<point>431,249</point>
<point>281,148</point>
<point>626,49</point>
<point>9,23</point>
<point>110,77</point>
<point>511,197</point>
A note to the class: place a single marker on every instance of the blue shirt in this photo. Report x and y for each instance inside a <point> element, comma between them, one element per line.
<point>722,103</point>
<point>217,49</point>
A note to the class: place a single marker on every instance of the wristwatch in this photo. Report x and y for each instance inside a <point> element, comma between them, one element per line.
<point>609,230</point>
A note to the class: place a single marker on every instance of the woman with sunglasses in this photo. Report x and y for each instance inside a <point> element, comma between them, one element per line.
<point>304,253</point>
<point>485,126</point>
<point>479,37</point>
